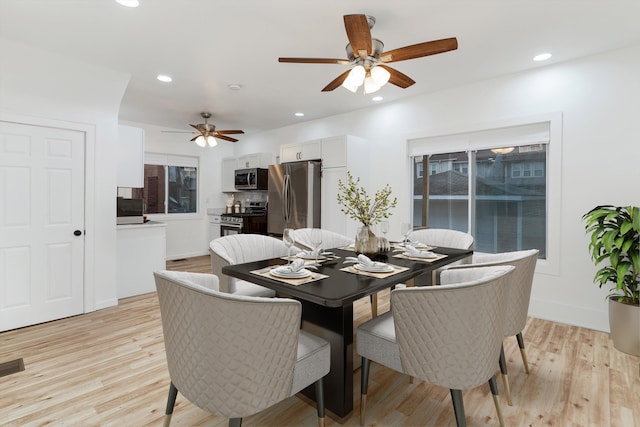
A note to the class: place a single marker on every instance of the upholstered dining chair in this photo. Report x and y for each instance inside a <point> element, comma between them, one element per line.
<point>331,240</point>
<point>448,335</point>
<point>234,355</point>
<point>518,297</point>
<point>440,237</point>
<point>240,248</point>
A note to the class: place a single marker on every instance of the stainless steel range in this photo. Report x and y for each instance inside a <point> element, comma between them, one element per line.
<point>252,221</point>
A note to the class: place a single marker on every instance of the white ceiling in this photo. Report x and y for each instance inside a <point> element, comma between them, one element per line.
<point>205,45</point>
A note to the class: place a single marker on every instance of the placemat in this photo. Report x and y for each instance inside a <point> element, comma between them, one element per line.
<point>396,269</point>
<point>440,256</point>
<point>264,272</point>
<point>400,245</point>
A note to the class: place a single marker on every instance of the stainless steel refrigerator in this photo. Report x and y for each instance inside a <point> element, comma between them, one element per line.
<point>294,196</point>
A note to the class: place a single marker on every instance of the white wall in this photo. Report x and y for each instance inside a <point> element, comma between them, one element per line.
<point>598,98</point>
<point>188,234</point>
<point>42,88</point>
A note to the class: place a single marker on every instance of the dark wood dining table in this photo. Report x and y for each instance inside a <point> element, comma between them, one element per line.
<point>327,309</point>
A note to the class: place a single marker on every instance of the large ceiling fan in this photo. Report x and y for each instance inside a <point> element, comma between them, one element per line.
<point>207,133</point>
<point>369,60</point>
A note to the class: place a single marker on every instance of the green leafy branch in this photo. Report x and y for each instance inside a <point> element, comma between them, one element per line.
<point>358,205</point>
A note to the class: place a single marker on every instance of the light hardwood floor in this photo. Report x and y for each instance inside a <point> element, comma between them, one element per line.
<point>107,368</point>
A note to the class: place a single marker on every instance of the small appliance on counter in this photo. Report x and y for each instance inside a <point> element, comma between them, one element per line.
<point>130,211</point>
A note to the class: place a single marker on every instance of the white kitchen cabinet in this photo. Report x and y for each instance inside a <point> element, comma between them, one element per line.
<point>339,155</point>
<point>255,160</point>
<point>140,250</point>
<point>227,177</point>
<point>310,150</point>
<point>130,152</point>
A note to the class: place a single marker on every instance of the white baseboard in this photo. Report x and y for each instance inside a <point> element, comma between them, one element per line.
<point>106,303</point>
<point>569,314</point>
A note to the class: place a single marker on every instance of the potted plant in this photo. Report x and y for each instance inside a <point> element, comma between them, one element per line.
<point>358,205</point>
<point>615,243</point>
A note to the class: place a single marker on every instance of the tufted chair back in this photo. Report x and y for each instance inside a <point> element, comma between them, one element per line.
<point>232,355</point>
<point>443,237</point>
<point>450,335</point>
<point>240,248</point>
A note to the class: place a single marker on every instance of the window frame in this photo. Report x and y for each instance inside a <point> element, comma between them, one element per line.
<point>456,139</point>
<point>166,160</point>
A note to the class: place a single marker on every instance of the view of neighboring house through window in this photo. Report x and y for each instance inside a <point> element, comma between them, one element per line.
<point>170,184</point>
<point>497,193</point>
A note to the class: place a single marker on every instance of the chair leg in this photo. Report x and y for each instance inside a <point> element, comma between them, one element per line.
<point>374,304</point>
<point>320,401</point>
<point>171,402</point>
<point>523,353</point>
<point>496,402</point>
<point>458,408</point>
<point>364,384</point>
<point>505,376</point>
<point>235,422</point>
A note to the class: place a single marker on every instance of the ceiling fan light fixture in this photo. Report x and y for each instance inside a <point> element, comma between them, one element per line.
<point>370,85</point>
<point>350,87</point>
<point>503,150</point>
<point>380,75</point>
<point>211,141</point>
<point>201,141</point>
<point>356,76</point>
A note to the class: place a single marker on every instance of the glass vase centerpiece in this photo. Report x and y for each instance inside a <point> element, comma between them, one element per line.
<point>358,205</point>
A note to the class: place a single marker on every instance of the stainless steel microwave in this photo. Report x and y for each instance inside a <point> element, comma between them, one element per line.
<point>251,179</point>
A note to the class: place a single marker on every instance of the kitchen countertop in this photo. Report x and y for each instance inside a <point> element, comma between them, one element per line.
<point>147,224</point>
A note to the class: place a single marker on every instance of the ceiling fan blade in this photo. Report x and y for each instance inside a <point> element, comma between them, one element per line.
<point>336,82</point>
<point>226,138</point>
<point>176,131</point>
<point>195,137</point>
<point>229,132</point>
<point>315,60</point>
<point>359,34</point>
<point>397,78</point>
<point>419,50</point>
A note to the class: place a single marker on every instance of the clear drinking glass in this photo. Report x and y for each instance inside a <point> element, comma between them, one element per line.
<point>316,241</point>
<point>384,227</point>
<point>287,238</point>
<point>405,229</point>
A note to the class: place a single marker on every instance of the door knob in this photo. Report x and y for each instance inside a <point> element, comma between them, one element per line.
<point>77,233</point>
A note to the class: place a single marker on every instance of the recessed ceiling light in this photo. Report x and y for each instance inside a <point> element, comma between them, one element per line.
<point>542,57</point>
<point>129,3</point>
<point>377,98</point>
<point>164,78</point>
<point>234,86</point>
<point>299,114</point>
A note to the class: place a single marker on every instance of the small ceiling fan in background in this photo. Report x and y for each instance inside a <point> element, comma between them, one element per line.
<point>207,133</point>
<point>368,58</point>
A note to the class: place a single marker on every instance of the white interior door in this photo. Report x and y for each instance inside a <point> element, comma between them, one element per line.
<point>41,224</point>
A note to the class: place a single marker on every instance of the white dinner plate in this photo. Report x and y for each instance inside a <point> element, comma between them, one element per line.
<point>384,268</point>
<point>420,254</point>
<point>309,256</point>
<point>285,273</point>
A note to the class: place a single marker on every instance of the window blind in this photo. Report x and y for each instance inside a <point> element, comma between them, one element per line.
<point>528,134</point>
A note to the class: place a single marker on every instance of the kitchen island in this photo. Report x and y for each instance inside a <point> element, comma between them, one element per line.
<point>141,250</point>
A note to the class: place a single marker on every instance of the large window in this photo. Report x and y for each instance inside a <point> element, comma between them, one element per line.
<point>495,187</point>
<point>170,184</point>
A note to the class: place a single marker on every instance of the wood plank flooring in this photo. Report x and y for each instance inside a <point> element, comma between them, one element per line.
<point>108,368</point>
